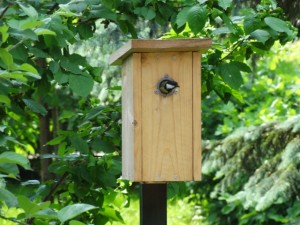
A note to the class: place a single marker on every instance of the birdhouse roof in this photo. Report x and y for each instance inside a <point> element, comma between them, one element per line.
<point>173,45</point>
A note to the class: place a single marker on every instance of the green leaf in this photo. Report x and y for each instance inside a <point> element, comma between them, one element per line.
<point>148,13</point>
<point>72,211</point>
<point>4,33</point>
<point>224,3</point>
<point>6,57</point>
<point>24,34</point>
<point>294,211</point>
<point>231,75</point>
<point>79,144</point>
<point>60,77</point>
<point>278,218</point>
<point>12,157</point>
<point>31,24</point>
<point>181,18</point>
<point>221,30</point>
<point>277,24</point>
<point>43,31</point>
<point>19,76</point>
<point>56,140</point>
<point>103,12</point>
<point>251,23</point>
<point>101,145</point>
<point>81,84</point>
<point>29,68</point>
<point>34,209</point>
<point>29,11</point>
<point>94,112</point>
<point>35,106</point>
<point>228,208</point>
<point>242,66</point>
<point>197,17</point>
<point>76,222</point>
<point>9,168</point>
<point>70,65</point>
<point>85,31</point>
<point>232,27</point>
<point>8,197</point>
<point>4,99</point>
<point>111,213</point>
<point>260,35</point>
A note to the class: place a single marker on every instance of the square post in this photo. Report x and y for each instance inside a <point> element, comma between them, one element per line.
<point>153,204</point>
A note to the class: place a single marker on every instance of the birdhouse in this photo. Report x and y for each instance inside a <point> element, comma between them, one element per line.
<point>161,109</point>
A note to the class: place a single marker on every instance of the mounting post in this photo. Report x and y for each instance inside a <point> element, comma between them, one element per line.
<point>153,204</point>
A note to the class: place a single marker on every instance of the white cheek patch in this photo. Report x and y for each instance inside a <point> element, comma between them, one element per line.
<point>169,86</point>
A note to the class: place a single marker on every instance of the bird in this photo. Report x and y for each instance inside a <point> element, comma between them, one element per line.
<point>167,86</point>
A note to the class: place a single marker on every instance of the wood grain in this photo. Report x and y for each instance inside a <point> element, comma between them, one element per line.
<point>196,116</point>
<point>131,118</point>
<point>174,45</point>
<point>167,121</point>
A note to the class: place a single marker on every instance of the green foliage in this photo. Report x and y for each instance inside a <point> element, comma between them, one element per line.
<point>269,94</point>
<point>255,173</point>
<point>236,38</point>
<point>52,112</point>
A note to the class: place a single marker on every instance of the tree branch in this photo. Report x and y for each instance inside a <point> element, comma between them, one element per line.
<point>235,46</point>
<point>55,187</point>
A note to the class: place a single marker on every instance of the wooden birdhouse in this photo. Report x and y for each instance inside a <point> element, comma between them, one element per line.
<point>161,109</point>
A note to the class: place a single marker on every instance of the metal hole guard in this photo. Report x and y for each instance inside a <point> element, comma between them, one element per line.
<point>158,91</point>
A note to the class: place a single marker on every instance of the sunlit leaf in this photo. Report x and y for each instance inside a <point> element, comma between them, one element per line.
<point>225,3</point>
<point>182,16</point>
<point>277,24</point>
<point>29,10</point>
<point>6,57</point>
<point>43,31</point>
<point>260,35</point>
<point>72,211</point>
<point>197,17</point>
<point>12,157</point>
<point>4,99</point>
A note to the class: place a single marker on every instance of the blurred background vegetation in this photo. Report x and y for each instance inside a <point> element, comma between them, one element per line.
<point>60,138</point>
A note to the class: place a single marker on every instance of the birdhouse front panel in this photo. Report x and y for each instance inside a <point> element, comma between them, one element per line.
<point>167,121</point>
<point>161,109</point>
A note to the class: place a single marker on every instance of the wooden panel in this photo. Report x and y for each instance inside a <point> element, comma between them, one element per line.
<point>131,118</point>
<point>196,116</point>
<point>174,45</point>
<point>167,121</point>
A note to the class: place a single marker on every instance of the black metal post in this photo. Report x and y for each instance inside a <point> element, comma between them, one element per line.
<point>153,204</point>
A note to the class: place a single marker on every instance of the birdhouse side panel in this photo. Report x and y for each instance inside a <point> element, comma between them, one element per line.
<point>167,121</point>
<point>131,118</point>
<point>196,116</point>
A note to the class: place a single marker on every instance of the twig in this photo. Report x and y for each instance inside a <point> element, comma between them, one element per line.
<point>16,45</point>
<point>49,196</point>
<point>238,44</point>
<point>54,187</point>
<point>52,8</point>
<point>108,127</point>
<point>4,11</point>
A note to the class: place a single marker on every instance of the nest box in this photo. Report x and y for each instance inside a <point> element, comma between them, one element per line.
<point>161,109</point>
